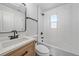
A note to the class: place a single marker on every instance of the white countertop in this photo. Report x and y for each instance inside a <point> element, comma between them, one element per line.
<point>5,50</point>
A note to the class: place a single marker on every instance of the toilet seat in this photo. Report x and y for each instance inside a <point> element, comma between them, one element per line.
<point>42,49</point>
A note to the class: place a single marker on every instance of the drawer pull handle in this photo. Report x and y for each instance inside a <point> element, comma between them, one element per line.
<point>25,53</point>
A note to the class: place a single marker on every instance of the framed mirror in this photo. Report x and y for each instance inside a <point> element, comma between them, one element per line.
<point>12,17</point>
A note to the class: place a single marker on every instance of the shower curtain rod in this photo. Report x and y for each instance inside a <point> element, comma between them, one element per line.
<point>31,19</point>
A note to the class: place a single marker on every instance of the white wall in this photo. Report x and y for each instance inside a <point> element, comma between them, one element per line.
<point>40,23</point>
<point>31,10</point>
<point>31,24</point>
<point>31,27</point>
<point>65,36</point>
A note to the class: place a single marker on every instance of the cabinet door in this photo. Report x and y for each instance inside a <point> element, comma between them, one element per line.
<point>30,51</point>
<point>32,11</point>
<point>27,50</point>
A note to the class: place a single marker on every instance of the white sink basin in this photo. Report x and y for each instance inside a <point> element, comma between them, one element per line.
<point>13,42</point>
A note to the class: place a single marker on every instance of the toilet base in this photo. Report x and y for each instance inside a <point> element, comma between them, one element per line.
<point>39,54</point>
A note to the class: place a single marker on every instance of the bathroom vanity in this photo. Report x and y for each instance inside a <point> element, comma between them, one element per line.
<point>18,47</point>
<point>26,50</point>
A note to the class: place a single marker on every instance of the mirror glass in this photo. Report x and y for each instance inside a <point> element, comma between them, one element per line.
<point>12,17</point>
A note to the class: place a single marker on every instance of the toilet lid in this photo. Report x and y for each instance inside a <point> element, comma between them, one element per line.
<point>42,49</point>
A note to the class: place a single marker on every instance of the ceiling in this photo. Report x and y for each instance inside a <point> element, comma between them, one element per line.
<point>48,6</point>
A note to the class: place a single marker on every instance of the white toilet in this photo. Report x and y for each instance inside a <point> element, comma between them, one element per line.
<point>42,50</point>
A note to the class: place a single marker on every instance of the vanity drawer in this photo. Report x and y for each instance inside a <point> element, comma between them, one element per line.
<point>26,50</point>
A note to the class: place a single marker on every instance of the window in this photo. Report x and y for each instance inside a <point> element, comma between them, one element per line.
<point>54,20</point>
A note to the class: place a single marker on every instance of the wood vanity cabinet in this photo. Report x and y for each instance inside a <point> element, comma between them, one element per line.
<point>26,50</point>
